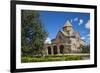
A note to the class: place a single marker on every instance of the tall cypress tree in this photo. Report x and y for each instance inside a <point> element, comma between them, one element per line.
<point>33,33</point>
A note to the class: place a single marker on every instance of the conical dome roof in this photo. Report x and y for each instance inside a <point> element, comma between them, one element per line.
<point>67,24</point>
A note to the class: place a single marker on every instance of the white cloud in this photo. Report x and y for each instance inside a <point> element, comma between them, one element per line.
<point>76,19</point>
<point>48,41</point>
<point>80,21</point>
<point>86,38</point>
<point>83,38</point>
<point>87,25</point>
<point>88,35</point>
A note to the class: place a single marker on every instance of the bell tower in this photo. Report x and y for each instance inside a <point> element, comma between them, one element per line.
<point>67,26</point>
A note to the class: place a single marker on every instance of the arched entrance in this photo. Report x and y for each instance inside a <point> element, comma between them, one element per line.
<point>55,50</point>
<point>61,49</point>
<point>49,50</point>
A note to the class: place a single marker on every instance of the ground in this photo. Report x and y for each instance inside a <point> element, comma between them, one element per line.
<point>64,57</point>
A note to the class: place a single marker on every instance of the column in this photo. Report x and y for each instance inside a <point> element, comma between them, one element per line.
<point>52,49</point>
<point>58,49</point>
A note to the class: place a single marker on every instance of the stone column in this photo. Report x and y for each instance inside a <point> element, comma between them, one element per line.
<point>58,49</point>
<point>46,50</point>
<point>51,50</point>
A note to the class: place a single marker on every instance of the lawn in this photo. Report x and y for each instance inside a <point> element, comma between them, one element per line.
<point>25,59</point>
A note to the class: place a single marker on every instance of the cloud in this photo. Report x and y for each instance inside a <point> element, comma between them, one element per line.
<point>83,38</point>
<point>80,21</point>
<point>48,41</point>
<point>87,25</point>
<point>86,38</point>
<point>88,35</point>
<point>76,19</point>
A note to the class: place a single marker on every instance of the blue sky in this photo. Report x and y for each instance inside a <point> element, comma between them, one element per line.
<point>54,21</point>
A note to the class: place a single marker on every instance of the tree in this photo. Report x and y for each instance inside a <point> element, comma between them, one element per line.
<point>33,33</point>
<point>85,48</point>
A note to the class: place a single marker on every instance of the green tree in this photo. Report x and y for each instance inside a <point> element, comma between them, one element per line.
<point>33,33</point>
<point>85,48</point>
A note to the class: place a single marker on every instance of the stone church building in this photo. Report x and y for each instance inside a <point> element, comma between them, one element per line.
<point>66,41</point>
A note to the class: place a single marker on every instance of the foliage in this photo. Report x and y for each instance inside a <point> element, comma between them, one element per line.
<point>51,58</point>
<point>85,49</point>
<point>33,33</point>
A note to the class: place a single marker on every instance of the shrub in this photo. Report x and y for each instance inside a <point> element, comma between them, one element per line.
<point>50,58</point>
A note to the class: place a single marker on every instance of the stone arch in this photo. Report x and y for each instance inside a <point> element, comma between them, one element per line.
<point>49,50</point>
<point>55,49</point>
<point>61,48</point>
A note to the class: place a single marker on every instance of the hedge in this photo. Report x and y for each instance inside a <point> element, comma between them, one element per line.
<point>50,58</point>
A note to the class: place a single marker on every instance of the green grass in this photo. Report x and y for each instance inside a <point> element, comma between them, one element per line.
<point>49,58</point>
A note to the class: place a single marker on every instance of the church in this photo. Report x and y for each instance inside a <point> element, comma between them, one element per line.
<point>66,41</point>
